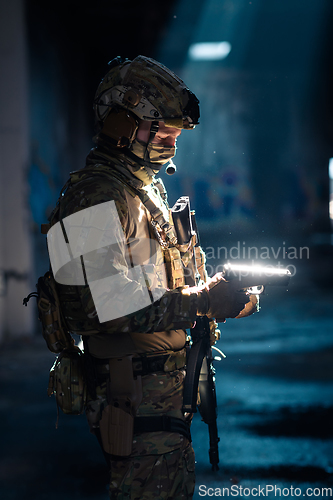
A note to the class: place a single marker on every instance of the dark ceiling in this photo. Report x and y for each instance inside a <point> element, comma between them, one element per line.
<point>96,31</point>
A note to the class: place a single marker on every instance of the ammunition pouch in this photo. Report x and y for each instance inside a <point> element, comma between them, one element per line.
<point>67,381</point>
<point>174,267</point>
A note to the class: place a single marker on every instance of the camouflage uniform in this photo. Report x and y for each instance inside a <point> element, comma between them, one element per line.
<point>161,463</point>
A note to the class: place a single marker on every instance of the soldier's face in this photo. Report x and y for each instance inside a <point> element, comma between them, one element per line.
<point>166,136</point>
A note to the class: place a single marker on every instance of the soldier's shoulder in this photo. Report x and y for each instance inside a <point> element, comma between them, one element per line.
<point>94,182</point>
<point>89,187</point>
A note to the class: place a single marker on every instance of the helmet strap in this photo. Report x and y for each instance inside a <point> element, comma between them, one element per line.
<point>153,131</point>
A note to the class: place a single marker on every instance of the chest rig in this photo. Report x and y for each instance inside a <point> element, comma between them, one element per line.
<point>154,199</point>
<point>176,257</point>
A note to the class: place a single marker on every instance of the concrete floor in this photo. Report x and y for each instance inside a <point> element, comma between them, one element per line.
<point>275,403</point>
<point>275,397</point>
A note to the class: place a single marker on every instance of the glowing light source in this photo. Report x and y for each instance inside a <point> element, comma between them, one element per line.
<point>256,269</point>
<point>209,51</point>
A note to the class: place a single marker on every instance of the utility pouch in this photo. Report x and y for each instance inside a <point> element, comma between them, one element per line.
<point>124,394</point>
<point>56,335</point>
<point>174,267</point>
<point>67,381</point>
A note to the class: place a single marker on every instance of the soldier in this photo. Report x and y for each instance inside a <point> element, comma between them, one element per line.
<point>121,281</point>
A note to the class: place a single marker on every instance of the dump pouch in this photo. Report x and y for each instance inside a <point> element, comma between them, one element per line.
<point>67,381</point>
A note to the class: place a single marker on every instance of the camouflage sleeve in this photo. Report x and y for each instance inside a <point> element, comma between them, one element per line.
<point>173,311</point>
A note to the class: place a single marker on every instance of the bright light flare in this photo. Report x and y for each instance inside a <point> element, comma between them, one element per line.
<point>256,269</point>
<point>209,51</point>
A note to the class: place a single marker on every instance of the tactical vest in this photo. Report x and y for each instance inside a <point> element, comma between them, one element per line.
<point>163,230</point>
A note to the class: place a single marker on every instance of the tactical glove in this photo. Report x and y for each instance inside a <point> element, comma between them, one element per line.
<point>220,299</point>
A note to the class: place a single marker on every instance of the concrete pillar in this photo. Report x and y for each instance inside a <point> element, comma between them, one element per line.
<point>15,240</point>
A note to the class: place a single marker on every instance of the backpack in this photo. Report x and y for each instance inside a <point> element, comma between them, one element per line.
<point>66,380</point>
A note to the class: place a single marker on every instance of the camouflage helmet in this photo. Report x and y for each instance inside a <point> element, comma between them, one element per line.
<point>149,90</point>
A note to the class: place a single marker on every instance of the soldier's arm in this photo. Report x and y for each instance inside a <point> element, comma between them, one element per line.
<point>116,297</point>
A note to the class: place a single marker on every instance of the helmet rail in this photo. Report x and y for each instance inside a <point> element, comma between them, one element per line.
<point>149,90</point>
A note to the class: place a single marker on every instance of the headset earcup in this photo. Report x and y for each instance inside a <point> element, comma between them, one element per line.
<point>121,126</point>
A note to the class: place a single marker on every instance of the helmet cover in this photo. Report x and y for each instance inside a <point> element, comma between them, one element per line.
<point>148,89</point>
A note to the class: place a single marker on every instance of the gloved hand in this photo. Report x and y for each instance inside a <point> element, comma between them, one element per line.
<point>251,307</point>
<point>220,299</point>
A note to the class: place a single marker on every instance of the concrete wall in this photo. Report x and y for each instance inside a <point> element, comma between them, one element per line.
<point>15,244</point>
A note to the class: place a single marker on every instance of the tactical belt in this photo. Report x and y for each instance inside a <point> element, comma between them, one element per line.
<point>162,423</point>
<point>142,365</point>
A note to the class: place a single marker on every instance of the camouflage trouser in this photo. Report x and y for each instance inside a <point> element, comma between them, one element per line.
<point>161,465</point>
<point>154,477</point>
